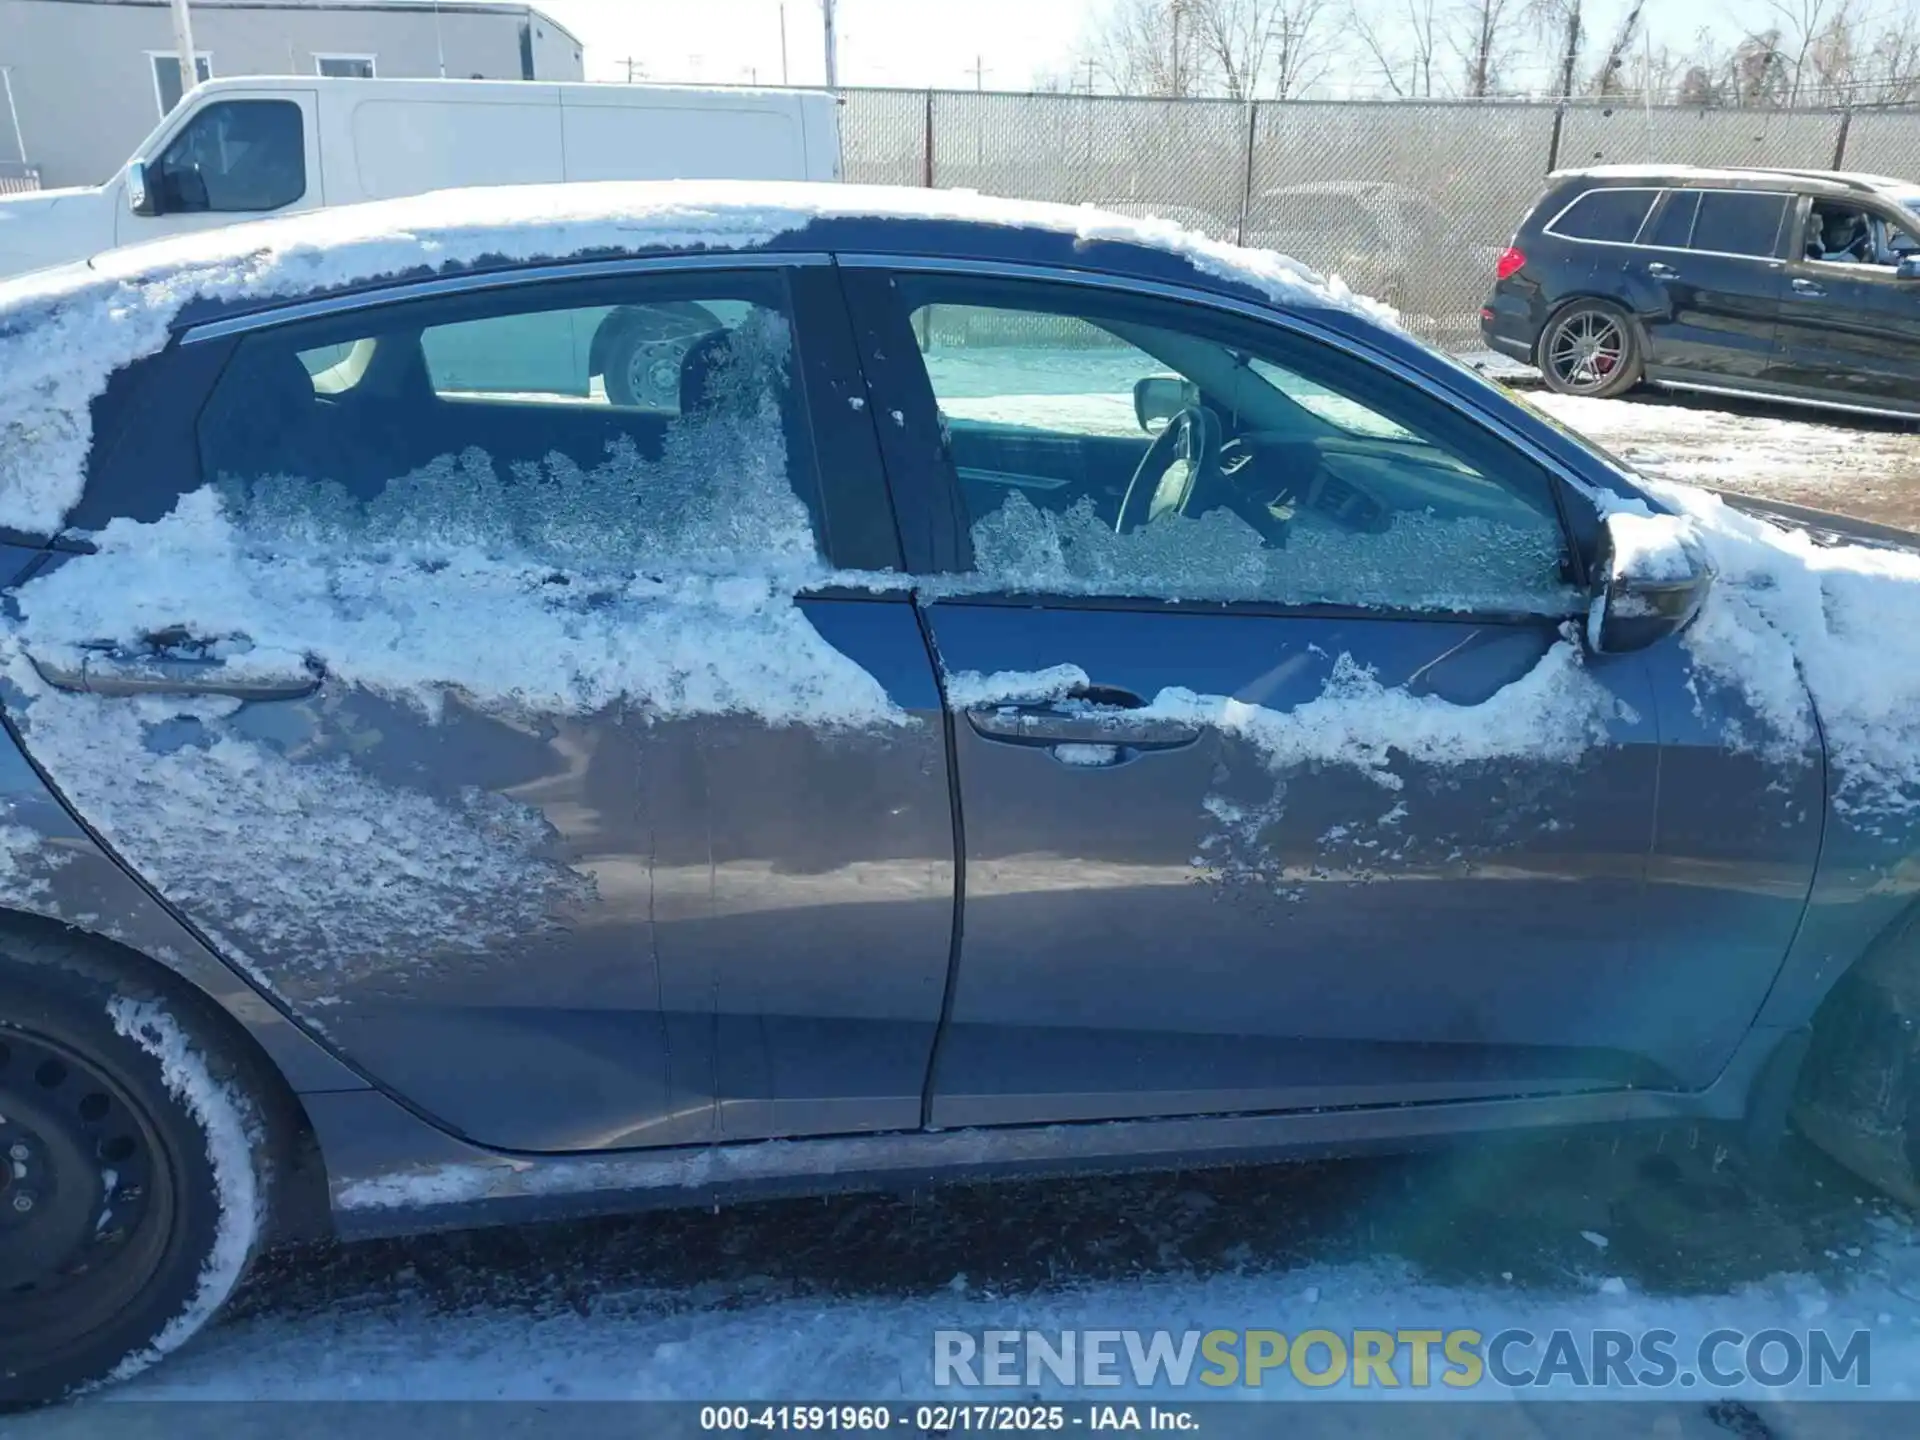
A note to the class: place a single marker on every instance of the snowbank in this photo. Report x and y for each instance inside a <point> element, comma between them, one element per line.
<point>64,332</point>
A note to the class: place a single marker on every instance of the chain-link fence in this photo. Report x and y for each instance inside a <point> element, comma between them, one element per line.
<point>1411,201</point>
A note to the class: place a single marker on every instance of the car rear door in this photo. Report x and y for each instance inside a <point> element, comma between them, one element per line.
<point>1707,278</point>
<point>1850,331</point>
<point>520,745</point>
<point>1304,796</point>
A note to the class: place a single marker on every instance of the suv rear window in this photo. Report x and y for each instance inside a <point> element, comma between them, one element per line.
<point>1738,222</point>
<point>1605,215</point>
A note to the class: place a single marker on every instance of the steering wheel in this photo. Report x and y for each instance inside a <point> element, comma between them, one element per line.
<point>1159,488</point>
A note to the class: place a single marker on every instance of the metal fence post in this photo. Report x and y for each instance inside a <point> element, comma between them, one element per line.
<point>1840,141</point>
<point>1246,177</point>
<point>927,147</point>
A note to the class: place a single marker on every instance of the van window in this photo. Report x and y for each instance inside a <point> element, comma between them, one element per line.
<point>1614,215</point>
<point>235,155</point>
<point>1738,222</point>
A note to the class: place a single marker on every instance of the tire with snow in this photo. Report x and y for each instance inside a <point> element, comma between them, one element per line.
<point>1590,348</point>
<point>131,1185</point>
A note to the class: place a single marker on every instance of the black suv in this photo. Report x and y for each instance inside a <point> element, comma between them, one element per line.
<point>1796,285</point>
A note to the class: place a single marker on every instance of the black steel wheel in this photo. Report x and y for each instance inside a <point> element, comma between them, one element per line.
<point>641,348</point>
<point>130,1196</point>
<point>1590,348</point>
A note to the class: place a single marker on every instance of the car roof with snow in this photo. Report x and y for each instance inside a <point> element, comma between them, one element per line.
<point>1744,177</point>
<point>245,268</point>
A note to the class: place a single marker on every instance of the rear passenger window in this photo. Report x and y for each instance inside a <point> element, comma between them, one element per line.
<point>661,424</point>
<point>1614,215</point>
<point>1673,227</point>
<point>1738,222</point>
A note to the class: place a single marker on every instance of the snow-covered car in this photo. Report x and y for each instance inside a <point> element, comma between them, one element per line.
<point>1044,692</point>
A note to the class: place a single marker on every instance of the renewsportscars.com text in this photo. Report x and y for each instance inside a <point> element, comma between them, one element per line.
<point>1417,1359</point>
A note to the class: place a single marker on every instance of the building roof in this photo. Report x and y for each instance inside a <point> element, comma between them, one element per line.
<point>444,7</point>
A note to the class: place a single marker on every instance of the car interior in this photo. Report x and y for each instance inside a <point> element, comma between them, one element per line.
<point>362,413</point>
<point>1846,234</point>
<point>1215,427</point>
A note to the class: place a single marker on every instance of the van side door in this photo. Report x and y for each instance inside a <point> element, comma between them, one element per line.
<point>232,157</point>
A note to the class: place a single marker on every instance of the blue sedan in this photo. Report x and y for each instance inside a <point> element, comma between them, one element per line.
<point>525,703</point>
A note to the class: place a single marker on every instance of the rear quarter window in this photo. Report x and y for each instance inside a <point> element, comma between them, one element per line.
<point>1613,214</point>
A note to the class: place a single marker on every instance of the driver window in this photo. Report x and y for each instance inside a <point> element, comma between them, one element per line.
<point>1841,234</point>
<point>1106,444</point>
<point>236,155</point>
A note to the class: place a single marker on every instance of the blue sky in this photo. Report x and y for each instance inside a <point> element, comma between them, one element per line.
<point>924,42</point>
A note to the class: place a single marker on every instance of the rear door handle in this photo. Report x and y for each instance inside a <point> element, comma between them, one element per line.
<point>1809,288</point>
<point>107,672</point>
<point>1662,272</point>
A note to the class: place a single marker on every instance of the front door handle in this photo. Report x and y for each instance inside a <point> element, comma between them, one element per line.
<point>1662,272</point>
<point>112,672</point>
<point>1049,724</point>
<point>1811,289</point>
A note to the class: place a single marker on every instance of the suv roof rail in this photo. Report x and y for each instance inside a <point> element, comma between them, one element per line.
<point>1842,178</point>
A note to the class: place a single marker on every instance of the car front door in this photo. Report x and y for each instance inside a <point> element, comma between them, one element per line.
<point>519,743</point>
<point>1709,274</point>
<point>1282,778</point>
<point>1850,328</point>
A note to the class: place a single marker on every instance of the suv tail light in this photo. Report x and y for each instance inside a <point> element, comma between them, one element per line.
<point>1510,260</point>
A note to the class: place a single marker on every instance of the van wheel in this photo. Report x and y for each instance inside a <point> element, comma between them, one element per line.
<point>1590,348</point>
<point>638,349</point>
<point>132,1186</point>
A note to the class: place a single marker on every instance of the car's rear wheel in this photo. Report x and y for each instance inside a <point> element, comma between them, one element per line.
<point>1590,348</point>
<point>131,1181</point>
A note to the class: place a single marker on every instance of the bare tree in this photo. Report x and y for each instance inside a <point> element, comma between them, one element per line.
<point>1245,49</point>
<point>1609,79</point>
<point>1149,47</point>
<point>1793,38</point>
<point>1484,37</point>
<point>1890,69</point>
<point>1404,44</point>
<point>1562,23</point>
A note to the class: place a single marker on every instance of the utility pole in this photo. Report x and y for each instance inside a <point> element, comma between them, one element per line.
<point>183,43</point>
<point>833,58</point>
<point>979,73</point>
<point>783,42</point>
<point>1090,64</point>
<point>634,67</point>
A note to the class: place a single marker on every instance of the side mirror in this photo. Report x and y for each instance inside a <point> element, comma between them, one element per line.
<point>141,198</point>
<point>1158,398</point>
<point>1652,579</point>
<point>1908,268</point>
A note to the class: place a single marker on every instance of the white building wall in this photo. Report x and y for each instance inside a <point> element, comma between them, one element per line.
<point>83,82</point>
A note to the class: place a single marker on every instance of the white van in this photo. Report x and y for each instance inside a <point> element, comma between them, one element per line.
<point>238,149</point>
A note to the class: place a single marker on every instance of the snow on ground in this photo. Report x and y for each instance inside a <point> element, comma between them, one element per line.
<point>840,1298</point>
<point>1861,467</point>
